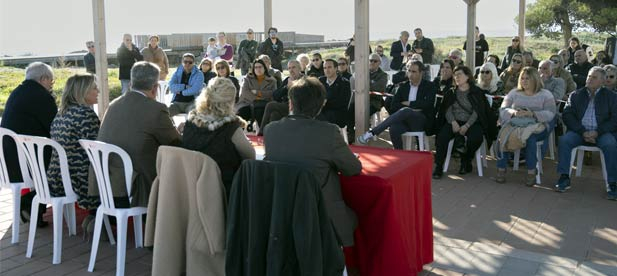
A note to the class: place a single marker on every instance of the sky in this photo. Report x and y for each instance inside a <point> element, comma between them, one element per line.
<point>44,27</point>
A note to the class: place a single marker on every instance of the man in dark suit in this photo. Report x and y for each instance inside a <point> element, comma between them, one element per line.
<point>399,51</point>
<point>412,105</point>
<point>591,117</point>
<point>300,139</point>
<point>138,124</point>
<point>30,109</point>
<point>338,92</point>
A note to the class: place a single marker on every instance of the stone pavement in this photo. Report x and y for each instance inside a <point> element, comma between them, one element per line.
<point>480,227</point>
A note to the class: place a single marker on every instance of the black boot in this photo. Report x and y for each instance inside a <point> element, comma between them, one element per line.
<point>465,167</point>
<point>437,172</point>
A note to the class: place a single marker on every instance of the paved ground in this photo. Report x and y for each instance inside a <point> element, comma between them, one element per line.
<point>481,228</point>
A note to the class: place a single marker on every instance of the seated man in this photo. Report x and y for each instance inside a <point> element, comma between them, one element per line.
<point>591,118</point>
<point>579,68</point>
<point>412,106</point>
<point>138,124</point>
<point>185,84</point>
<point>279,108</point>
<point>556,85</point>
<point>338,93</point>
<point>300,139</point>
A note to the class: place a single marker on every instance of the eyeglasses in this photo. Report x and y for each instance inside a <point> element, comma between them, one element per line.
<point>374,61</point>
<point>517,61</point>
<point>555,61</point>
<point>485,72</point>
<point>315,59</point>
<point>515,40</point>
<point>187,61</point>
<point>91,46</point>
<point>220,67</point>
<point>341,63</point>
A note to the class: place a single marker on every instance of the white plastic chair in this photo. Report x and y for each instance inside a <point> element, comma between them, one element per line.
<point>33,147</point>
<point>14,186</point>
<point>343,131</point>
<point>579,164</point>
<point>539,157</point>
<point>98,153</point>
<point>480,157</point>
<point>423,142</point>
<point>160,96</point>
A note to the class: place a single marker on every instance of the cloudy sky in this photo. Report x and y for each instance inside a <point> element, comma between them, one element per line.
<point>60,26</point>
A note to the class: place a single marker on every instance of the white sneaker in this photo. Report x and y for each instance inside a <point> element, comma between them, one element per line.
<point>363,139</point>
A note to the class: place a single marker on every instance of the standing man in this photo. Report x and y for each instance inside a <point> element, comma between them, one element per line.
<point>591,117</point>
<point>127,55</point>
<point>153,53</point>
<point>423,46</point>
<point>185,84</point>
<point>385,62</point>
<point>138,124</point>
<point>338,92</point>
<point>481,48</point>
<point>399,51</point>
<point>247,52</point>
<point>89,62</point>
<point>225,50</point>
<point>273,47</point>
<point>579,68</point>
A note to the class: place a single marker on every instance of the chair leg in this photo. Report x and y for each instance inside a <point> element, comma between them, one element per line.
<point>448,155</point>
<point>110,234</point>
<point>69,216</point>
<point>572,159</point>
<point>407,141</point>
<point>517,158</point>
<point>551,145</point>
<point>604,173</point>
<point>538,164</point>
<point>34,217</point>
<point>427,143</point>
<point>421,142</point>
<point>16,212</point>
<point>98,223</point>
<point>137,225</point>
<point>122,221</point>
<point>479,163</point>
<point>579,162</point>
<point>57,209</point>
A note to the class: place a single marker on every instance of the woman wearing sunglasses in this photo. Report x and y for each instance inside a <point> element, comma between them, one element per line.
<point>514,48</point>
<point>509,77</point>
<point>560,72</point>
<point>223,70</point>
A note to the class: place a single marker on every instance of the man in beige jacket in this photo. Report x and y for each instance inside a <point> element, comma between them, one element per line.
<point>155,54</point>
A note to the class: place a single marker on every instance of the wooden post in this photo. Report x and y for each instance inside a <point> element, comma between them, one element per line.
<point>521,23</point>
<point>471,37</point>
<point>100,57</point>
<point>361,74</point>
<point>267,16</point>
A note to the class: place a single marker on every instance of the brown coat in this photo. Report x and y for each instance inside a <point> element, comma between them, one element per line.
<point>264,91</point>
<point>158,57</point>
<point>186,215</point>
<point>138,125</point>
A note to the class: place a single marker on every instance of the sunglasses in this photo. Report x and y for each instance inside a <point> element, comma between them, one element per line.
<point>515,40</point>
<point>374,61</point>
<point>220,67</point>
<point>485,72</point>
<point>187,62</point>
<point>517,61</point>
<point>341,63</point>
<point>90,46</point>
<point>611,76</point>
<point>453,57</point>
<point>555,61</point>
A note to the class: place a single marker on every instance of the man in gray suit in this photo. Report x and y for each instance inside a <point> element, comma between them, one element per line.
<point>138,124</point>
<point>300,139</point>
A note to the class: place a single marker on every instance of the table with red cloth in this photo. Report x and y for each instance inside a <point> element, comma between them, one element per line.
<point>392,199</point>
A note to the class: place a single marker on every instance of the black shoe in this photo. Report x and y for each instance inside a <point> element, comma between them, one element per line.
<point>465,167</point>
<point>437,173</point>
<point>249,128</point>
<point>563,183</point>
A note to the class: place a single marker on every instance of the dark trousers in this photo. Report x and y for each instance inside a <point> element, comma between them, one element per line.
<point>252,113</point>
<point>274,111</point>
<point>351,120</point>
<point>404,120</point>
<point>474,139</point>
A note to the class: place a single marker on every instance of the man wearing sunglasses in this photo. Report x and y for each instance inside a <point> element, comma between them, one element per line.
<point>185,84</point>
<point>89,58</point>
<point>611,77</point>
<point>316,67</point>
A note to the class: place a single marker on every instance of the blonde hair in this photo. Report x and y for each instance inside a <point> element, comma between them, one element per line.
<point>492,86</point>
<point>217,99</point>
<point>534,77</point>
<point>76,89</point>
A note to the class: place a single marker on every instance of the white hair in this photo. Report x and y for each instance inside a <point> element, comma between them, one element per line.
<point>552,64</point>
<point>38,70</point>
<point>494,77</point>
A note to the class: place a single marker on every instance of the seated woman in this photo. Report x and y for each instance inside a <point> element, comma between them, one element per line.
<point>304,62</point>
<point>444,81</point>
<point>509,77</point>
<point>560,72</point>
<point>214,129</point>
<point>76,120</point>
<point>256,92</point>
<point>223,71</point>
<point>413,103</point>
<point>465,111</point>
<point>489,81</point>
<point>529,99</point>
<point>206,68</point>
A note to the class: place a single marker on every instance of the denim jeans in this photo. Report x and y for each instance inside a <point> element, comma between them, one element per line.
<point>530,148</point>
<point>125,86</point>
<point>606,142</point>
<point>400,122</point>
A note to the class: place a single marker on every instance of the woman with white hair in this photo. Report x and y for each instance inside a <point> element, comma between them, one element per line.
<point>488,79</point>
<point>304,62</point>
<point>214,129</point>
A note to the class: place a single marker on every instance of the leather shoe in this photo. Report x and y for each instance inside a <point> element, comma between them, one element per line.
<point>465,168</point>
<point>437,173</point>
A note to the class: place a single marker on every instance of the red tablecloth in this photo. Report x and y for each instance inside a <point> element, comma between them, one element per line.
<point>392,199</point>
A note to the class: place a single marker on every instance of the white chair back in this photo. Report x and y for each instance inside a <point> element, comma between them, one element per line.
<point>98,153</point>
<point>5,182</point>
<point>33,148</point>
<point>160,96</point>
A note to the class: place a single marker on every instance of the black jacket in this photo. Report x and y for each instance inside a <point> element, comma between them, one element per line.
<point>609,47</point>
<point>89,63</point>
<point>274,51</point>
<point>486,117</point>
<point>395,52</point>
<point>605,103</point>
<point>29,110</point>
<point>425,100</point>
<point>337,96</point>
<point>126,59</point>
<point>315,72</point>
<point>277,223</point>
<point>579,73</point>
<point>507,58</point>
<point>428,49</point>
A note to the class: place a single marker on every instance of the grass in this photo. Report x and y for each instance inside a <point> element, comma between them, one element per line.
<point>542,48</point>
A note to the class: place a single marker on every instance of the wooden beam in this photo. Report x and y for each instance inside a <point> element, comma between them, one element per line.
<point>471,34</point>
<point>521,23</point>
<point>100,57</point>
<point>361,74</point>
<point>267,16</point>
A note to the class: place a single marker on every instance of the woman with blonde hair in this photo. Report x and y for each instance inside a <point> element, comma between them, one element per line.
<point>223,70</point>
<point>304,62</point>
<point>509,77</point>
<point>214,129</point>
<point>75,120</point>
<point>528,101</point>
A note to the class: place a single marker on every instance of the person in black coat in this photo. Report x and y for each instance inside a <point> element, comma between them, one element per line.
<point>579,68</point>
<point>316,67</point>
<point>338,92</point>
<point>610,47</point>
<point>413,103</point>
<point>29,110</point>
<point>273,47</point>
<point>399,51</point>
<point>127,55</point>
<point>464,111</point>
<point>279,108</point>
